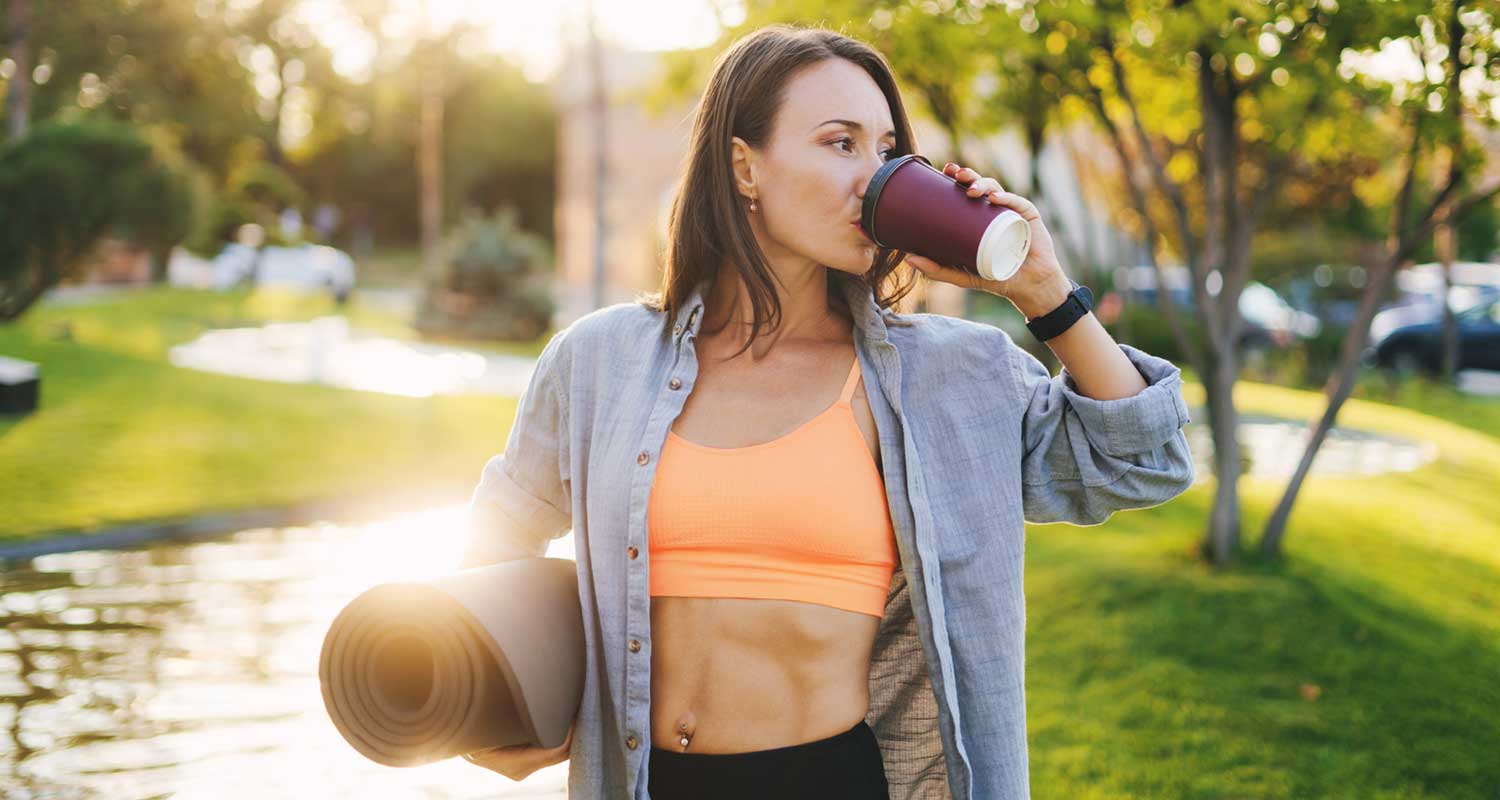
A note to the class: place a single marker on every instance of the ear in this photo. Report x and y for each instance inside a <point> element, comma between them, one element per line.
<point>743,160</point>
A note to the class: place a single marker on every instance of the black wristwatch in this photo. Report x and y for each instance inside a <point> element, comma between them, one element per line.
<point>1080,301</point>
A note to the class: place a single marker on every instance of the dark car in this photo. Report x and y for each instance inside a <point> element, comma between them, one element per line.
<point>1418,347</point>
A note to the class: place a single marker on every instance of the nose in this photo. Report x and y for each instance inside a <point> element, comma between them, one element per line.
<point>865,175</point>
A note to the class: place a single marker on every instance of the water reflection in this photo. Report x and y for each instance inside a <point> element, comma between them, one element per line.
<point>190,669</point>
<point>325,350</point>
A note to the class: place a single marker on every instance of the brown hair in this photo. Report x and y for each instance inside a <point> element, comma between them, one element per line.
<point>743,94</point>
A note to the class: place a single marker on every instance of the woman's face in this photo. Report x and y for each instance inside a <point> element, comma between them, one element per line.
<point>832,132</point>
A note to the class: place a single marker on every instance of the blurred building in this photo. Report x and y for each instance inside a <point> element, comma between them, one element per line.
<point>646,154</point>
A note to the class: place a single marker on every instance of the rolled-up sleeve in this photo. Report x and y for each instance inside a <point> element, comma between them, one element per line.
<point>524,497</point>
<point>1083,459</point>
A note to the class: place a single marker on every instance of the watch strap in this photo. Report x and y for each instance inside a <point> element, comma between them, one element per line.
<point>1080,301</point>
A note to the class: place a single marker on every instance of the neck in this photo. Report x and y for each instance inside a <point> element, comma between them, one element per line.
<point>808,308</point>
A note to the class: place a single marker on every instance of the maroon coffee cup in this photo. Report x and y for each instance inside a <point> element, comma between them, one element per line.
<point>912,206</point>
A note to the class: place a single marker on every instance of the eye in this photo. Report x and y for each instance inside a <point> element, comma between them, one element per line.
<point>885,154</point>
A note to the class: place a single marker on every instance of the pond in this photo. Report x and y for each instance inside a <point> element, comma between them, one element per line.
<point>189,669</point>
<point>327,351</point>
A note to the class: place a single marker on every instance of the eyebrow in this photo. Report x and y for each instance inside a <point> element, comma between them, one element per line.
<point>851,123</point>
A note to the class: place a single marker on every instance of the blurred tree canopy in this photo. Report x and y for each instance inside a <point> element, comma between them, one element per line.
<point>235,84</point>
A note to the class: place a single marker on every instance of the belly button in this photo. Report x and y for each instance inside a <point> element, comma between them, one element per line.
<point>685,728</point>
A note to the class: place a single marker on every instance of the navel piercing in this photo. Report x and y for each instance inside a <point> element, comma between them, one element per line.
<point>684,740</point>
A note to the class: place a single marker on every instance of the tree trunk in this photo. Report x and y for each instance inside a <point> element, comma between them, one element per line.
<point>599,102</point>
<point>18,96</point>
<point>1185,343</point>
<point>430,170</point>
<point>1340,385</point>
<point>1445,241</point>
<point>1223,536</point>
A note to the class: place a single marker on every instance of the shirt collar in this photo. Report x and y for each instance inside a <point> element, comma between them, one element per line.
<point>869,317</point>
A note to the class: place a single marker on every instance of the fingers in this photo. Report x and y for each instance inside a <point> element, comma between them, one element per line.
<point>978,185</point>
<point>1016,203</point>
<point>517,762</point>
<point>960,174</point>
<point>936,271</point>
<point>984,186</point>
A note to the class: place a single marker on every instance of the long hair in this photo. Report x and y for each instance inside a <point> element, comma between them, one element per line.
<point>707,224</point>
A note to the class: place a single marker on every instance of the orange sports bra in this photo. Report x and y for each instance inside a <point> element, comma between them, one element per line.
<point>801,517</point>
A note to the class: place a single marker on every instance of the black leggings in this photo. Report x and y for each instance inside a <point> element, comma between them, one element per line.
<point>844,766</point>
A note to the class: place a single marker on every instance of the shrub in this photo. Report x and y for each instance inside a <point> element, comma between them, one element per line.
<point>65,185</point>
<point>497,283</point>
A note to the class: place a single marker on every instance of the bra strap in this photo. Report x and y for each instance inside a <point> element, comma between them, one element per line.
<point>849,383</point>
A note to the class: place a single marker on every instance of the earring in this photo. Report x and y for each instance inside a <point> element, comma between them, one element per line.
<point>752,204</point>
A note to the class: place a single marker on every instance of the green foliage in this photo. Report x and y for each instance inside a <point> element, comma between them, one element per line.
<point>495,286</point>
<point>66,185</point>
<point>1149,331</point>
<point>1307,363</point>
<point>1478,237</point>
<point>265,185</point>
<point>492,255</point>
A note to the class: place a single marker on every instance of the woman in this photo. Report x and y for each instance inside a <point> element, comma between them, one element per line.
<point>788,604</point>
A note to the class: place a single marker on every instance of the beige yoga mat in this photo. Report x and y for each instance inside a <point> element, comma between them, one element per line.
<point>416,672</point>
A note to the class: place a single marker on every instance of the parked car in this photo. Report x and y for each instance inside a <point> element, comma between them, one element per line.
<point>1427,279</point>
<point>1269,320</point>
<point>1416,308</point>
<point>1417,346</point>
<point>309,266</point>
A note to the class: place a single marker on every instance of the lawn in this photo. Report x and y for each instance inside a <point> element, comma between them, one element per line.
<point>124,436</point>
<point>1366,665</point>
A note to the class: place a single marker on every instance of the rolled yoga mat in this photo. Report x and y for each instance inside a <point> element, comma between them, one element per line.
<point>416,672</point>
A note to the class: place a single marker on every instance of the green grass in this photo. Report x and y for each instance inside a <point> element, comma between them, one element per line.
<point>1366,665</point>
<point>1429,396</point>
<point>390,267</point>
<point>1150,674</point>
<point>122,436</point>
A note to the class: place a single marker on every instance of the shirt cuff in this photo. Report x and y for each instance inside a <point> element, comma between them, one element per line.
<point>1139,423</point>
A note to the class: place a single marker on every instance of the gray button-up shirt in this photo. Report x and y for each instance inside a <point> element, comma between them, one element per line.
<point>976,438</point>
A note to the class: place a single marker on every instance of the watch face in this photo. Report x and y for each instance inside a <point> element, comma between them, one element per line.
<point>1086,295</point>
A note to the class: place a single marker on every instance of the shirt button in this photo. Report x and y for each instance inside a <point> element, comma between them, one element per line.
<point>632,552</point>
<point>635,646</point>
<point>675,383</point>
<point>643,458</point>
<point>677,328</point>
<point>630,742</point>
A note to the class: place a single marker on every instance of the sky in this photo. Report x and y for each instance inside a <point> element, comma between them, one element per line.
<point>535,33</point>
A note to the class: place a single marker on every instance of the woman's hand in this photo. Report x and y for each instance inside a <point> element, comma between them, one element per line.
<point>1039,285</point>
<point>518,761</point>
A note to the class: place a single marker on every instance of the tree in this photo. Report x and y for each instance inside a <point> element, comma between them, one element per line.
<point>1463,40</point>
<point>1216,110</point>
<point>65,185</point>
